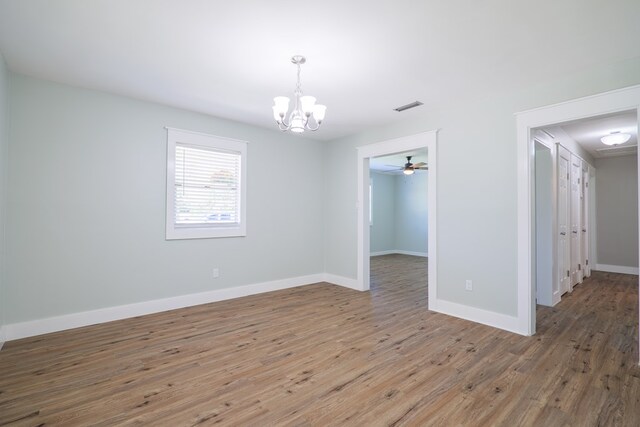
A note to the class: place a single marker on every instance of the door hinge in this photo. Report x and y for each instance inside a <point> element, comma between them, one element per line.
<point>568,273</point>
<point>579,267</point>
<point>567,176</point>
<point>578,180</point>
<point>586,262</point>
<point>586,184</point>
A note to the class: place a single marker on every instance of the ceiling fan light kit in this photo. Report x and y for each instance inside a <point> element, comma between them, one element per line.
<point>410,168</point>
<point>615,138</point>
<point>304,108</point>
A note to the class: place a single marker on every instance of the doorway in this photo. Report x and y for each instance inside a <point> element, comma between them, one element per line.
<point>627,99</point>
<point>426,140</point>
<point>398,216</point>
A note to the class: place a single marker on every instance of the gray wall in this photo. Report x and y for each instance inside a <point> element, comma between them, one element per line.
<point>399,213</point>
<point>617,211</point>
<point>4,163</point>
<point>87,188</point>
<point>411,212</point>
<point>87,202</point>
<point>477,175</point>
<point>383,201</point>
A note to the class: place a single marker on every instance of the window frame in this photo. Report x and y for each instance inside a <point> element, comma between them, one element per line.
<point>174,231</point>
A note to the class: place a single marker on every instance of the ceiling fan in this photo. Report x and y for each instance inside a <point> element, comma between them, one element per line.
<point>409,168</point>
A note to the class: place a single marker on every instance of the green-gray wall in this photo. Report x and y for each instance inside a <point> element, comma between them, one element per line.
<point>4,164</point>
<point>476,195</point>
<point>411,212</point>
<point>617,211</point>
<point>87,200</point>
<point>383,212</point>
<point>399,206</point>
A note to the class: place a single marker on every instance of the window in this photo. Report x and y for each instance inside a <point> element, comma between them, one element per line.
<point>206,186</point>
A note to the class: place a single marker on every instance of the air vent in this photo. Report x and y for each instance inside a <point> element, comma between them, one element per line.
<point>408,106</point>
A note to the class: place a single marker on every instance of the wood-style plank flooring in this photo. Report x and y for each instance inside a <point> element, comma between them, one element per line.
<point>323,355</point>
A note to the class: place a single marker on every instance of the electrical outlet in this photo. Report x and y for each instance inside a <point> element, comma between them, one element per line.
<point>216,273</point>
<point>468,285</point>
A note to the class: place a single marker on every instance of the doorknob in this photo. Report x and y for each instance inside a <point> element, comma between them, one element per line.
<point>562,233</point>
<point>584,230</point>
<point>574,232</point>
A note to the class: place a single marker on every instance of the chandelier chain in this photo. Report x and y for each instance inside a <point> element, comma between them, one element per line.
<point>299,86</point>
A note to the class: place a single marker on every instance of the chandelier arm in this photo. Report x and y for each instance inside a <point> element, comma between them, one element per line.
<point>307,123</point>
<point>283,126</point>
<point>311,128</point>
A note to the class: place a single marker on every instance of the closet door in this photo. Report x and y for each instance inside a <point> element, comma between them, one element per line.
<point>564,262</point>
<point>575,215</point>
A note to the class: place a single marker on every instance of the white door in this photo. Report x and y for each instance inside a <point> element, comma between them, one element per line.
<point>576,210</point>
<point>563,221</point>
<point>586,268</point>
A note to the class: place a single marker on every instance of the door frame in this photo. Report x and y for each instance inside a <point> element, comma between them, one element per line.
<point>426,140</point>
<point>619,100</point>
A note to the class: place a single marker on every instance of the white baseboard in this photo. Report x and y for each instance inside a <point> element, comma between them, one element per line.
<point>2,337</point>
<point>412,253</point>
<point>478,315</point>
<point>617,269</point>
<point>346,282</point>
<point>60,323</point>
<point>379,253</point>
<point>75,320</point>
<point>399,251</point>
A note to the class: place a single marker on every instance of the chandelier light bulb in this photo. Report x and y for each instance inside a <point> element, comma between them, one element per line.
<point>307,103</point>
<point>319,112</point>
<point>615,138</point>
<point>276,114</point>
<point>281,104</point>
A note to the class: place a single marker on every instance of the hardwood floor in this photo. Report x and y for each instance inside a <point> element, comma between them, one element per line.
<point>324,355</point>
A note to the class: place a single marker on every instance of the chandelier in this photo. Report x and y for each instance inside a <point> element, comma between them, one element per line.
<point>304,108</point>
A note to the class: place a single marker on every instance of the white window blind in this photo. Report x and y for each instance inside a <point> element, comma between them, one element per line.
<point>207,186</point>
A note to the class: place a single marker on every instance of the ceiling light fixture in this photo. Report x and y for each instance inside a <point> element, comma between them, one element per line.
<point>615,138</point>
<point>408,167</point>
<point>304,108</point>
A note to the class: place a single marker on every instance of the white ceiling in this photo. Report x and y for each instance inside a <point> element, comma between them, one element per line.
<point>392,162</point>
<point>230,58</point>
<point>587,133</point>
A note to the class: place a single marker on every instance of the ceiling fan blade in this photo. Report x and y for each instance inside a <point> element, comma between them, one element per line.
<point>419,164</point>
